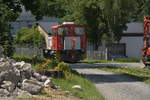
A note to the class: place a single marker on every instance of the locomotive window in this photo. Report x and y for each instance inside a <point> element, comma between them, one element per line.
<point>62,31</point>
<point>49,34</point>
<point>54,31</point>
<point>79,30</point>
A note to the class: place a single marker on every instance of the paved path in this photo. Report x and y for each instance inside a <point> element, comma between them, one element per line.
<point>116,86</point>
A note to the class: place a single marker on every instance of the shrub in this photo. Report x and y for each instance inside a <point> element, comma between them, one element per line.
<point>30,36</point>
<point>55,65</point>
<point>64,67</point>
<point>28,59</point>
<point>47,65</point>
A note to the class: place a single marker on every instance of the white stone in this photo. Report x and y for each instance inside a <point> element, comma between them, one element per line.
<point>8,85</point>
<point>4,93</point>
<point>77,87</point>
<point>19,65</point>
<point>43,78</point>
<point>31,86</point>
<point>5,66</point>
<point>47,83</point>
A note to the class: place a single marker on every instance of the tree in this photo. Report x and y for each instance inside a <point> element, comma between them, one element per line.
<point>102,17</point>
<point>6,39</point>
<point>29,36</point>
<point>9,11</point>
<point>117,14</point>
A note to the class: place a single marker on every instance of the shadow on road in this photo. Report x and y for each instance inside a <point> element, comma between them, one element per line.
<point>111,78</point>
<point>105,78</point>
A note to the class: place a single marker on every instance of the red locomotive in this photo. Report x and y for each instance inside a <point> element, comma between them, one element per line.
<point>67,42</point>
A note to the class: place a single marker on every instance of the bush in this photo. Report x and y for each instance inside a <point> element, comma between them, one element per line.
<point>30,36</point>
<point>47,65</point>
<point>64,67</point>
<point>55,65</point>
<point>28,59</point>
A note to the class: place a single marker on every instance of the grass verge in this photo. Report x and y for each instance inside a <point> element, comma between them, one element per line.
<point>109,61</point>
<point>70,78</point>
<point>88,92</point>
<point>141,74</point>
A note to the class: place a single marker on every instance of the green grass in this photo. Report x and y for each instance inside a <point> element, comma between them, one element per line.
<point>109,61</point>
<point>128,60</point>
<point>88,92</point>
<point>141,74</point>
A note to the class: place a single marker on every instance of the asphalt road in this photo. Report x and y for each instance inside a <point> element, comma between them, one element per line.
<point>115,86</point>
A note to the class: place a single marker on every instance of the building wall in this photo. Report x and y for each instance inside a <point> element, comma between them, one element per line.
<point>134,45</point>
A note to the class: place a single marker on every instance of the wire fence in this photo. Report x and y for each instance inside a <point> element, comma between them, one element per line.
<point>111,52</point>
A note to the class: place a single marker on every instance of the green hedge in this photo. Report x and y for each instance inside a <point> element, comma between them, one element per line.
<point>28,59</point>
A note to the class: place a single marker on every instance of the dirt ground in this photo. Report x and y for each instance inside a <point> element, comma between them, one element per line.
<point>52,94</point>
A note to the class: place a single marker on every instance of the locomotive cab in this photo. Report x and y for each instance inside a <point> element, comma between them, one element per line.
<point>67,42</point>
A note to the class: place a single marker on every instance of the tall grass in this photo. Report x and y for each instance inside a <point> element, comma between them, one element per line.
<point>88,92</point>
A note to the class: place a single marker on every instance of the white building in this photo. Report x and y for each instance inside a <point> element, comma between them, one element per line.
<point>133,38</point>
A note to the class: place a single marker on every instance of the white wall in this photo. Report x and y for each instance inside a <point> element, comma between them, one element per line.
<point>133,46</point>
<point>134,27</point>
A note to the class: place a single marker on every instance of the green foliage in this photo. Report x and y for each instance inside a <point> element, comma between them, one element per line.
<point>141,74</point>
<point>55,65</point>
<point>28,59</point>
<point>64,67</point>
<point>35,6</point>
<point>9,11</point>
<point>142,9</point>
<point>53,8</point>
<point>106,18</point>
<point>6,40</point>
<point>117,14</point>
<point>7,44</point>
<point>88,92</point>
<point>47,65</point>
<point>29,36</point>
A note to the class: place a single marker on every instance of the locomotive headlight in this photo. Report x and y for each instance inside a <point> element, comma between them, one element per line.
<point>52,52</point>
<point>45,51</point>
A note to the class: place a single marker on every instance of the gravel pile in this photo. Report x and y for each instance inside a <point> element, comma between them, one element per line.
<point>17,78</point>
